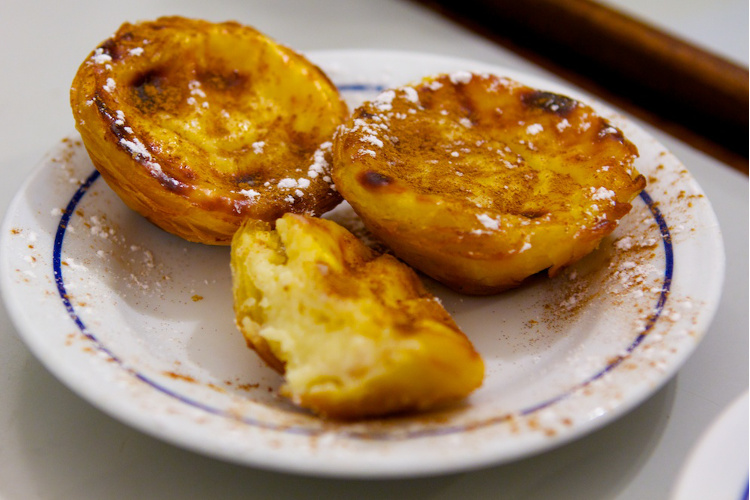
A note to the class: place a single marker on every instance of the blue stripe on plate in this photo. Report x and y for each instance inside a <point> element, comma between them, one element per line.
<point>666,239</point>
<point>361,87</point>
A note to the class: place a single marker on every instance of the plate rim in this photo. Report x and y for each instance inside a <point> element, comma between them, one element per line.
<point>303,466</point>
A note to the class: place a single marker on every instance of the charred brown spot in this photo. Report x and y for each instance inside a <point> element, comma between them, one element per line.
<point>533,214</point>
<point>117,126</point>
<point>365,115</point>
<point>152,92</point>
<point>173,185</point>
<point>117,129</point>
<point>372,179</point>
<point>148,85</point>
<point>549,102</point>
<point>110,48</point>
<point>100,105</point>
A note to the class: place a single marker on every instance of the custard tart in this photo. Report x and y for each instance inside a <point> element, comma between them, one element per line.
<point>199,125</point>
<point>480,181</point>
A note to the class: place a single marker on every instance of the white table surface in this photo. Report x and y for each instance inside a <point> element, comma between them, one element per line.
<point>54,445</point>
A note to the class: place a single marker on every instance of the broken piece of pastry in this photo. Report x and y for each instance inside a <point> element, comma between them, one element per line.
<point>480,181</point>
<point>354,333</point>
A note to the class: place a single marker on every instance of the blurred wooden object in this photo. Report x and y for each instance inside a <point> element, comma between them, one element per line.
<point>693,94</point>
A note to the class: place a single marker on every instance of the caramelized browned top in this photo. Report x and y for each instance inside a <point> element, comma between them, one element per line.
<point>217,113</point>
<point>490,144</point>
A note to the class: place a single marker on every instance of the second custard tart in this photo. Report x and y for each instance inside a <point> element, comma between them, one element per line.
<point>199,126</point>
<point>480,181</point>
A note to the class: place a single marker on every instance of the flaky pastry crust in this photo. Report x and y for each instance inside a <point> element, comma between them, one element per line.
<point>480,181</point>
<point>199,126</point>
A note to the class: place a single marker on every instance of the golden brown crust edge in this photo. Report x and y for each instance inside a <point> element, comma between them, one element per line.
<point>481,182</point>
<point>163,109</point>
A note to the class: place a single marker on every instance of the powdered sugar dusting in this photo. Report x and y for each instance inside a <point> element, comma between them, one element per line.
<point>488,221</point>
<point>602,193</point>
<point>534,129</point>
<point>460,77</point>
<point>110,85</point>
<point>411,95</point>
<point>384,101</point>
<point>320,165</point>
<point>100,57</point>
<point>249,193</point>
<point>139,152</point>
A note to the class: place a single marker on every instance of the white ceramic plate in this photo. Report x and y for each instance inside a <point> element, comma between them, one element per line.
<point>140,323</point>
<point>717,467</point>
